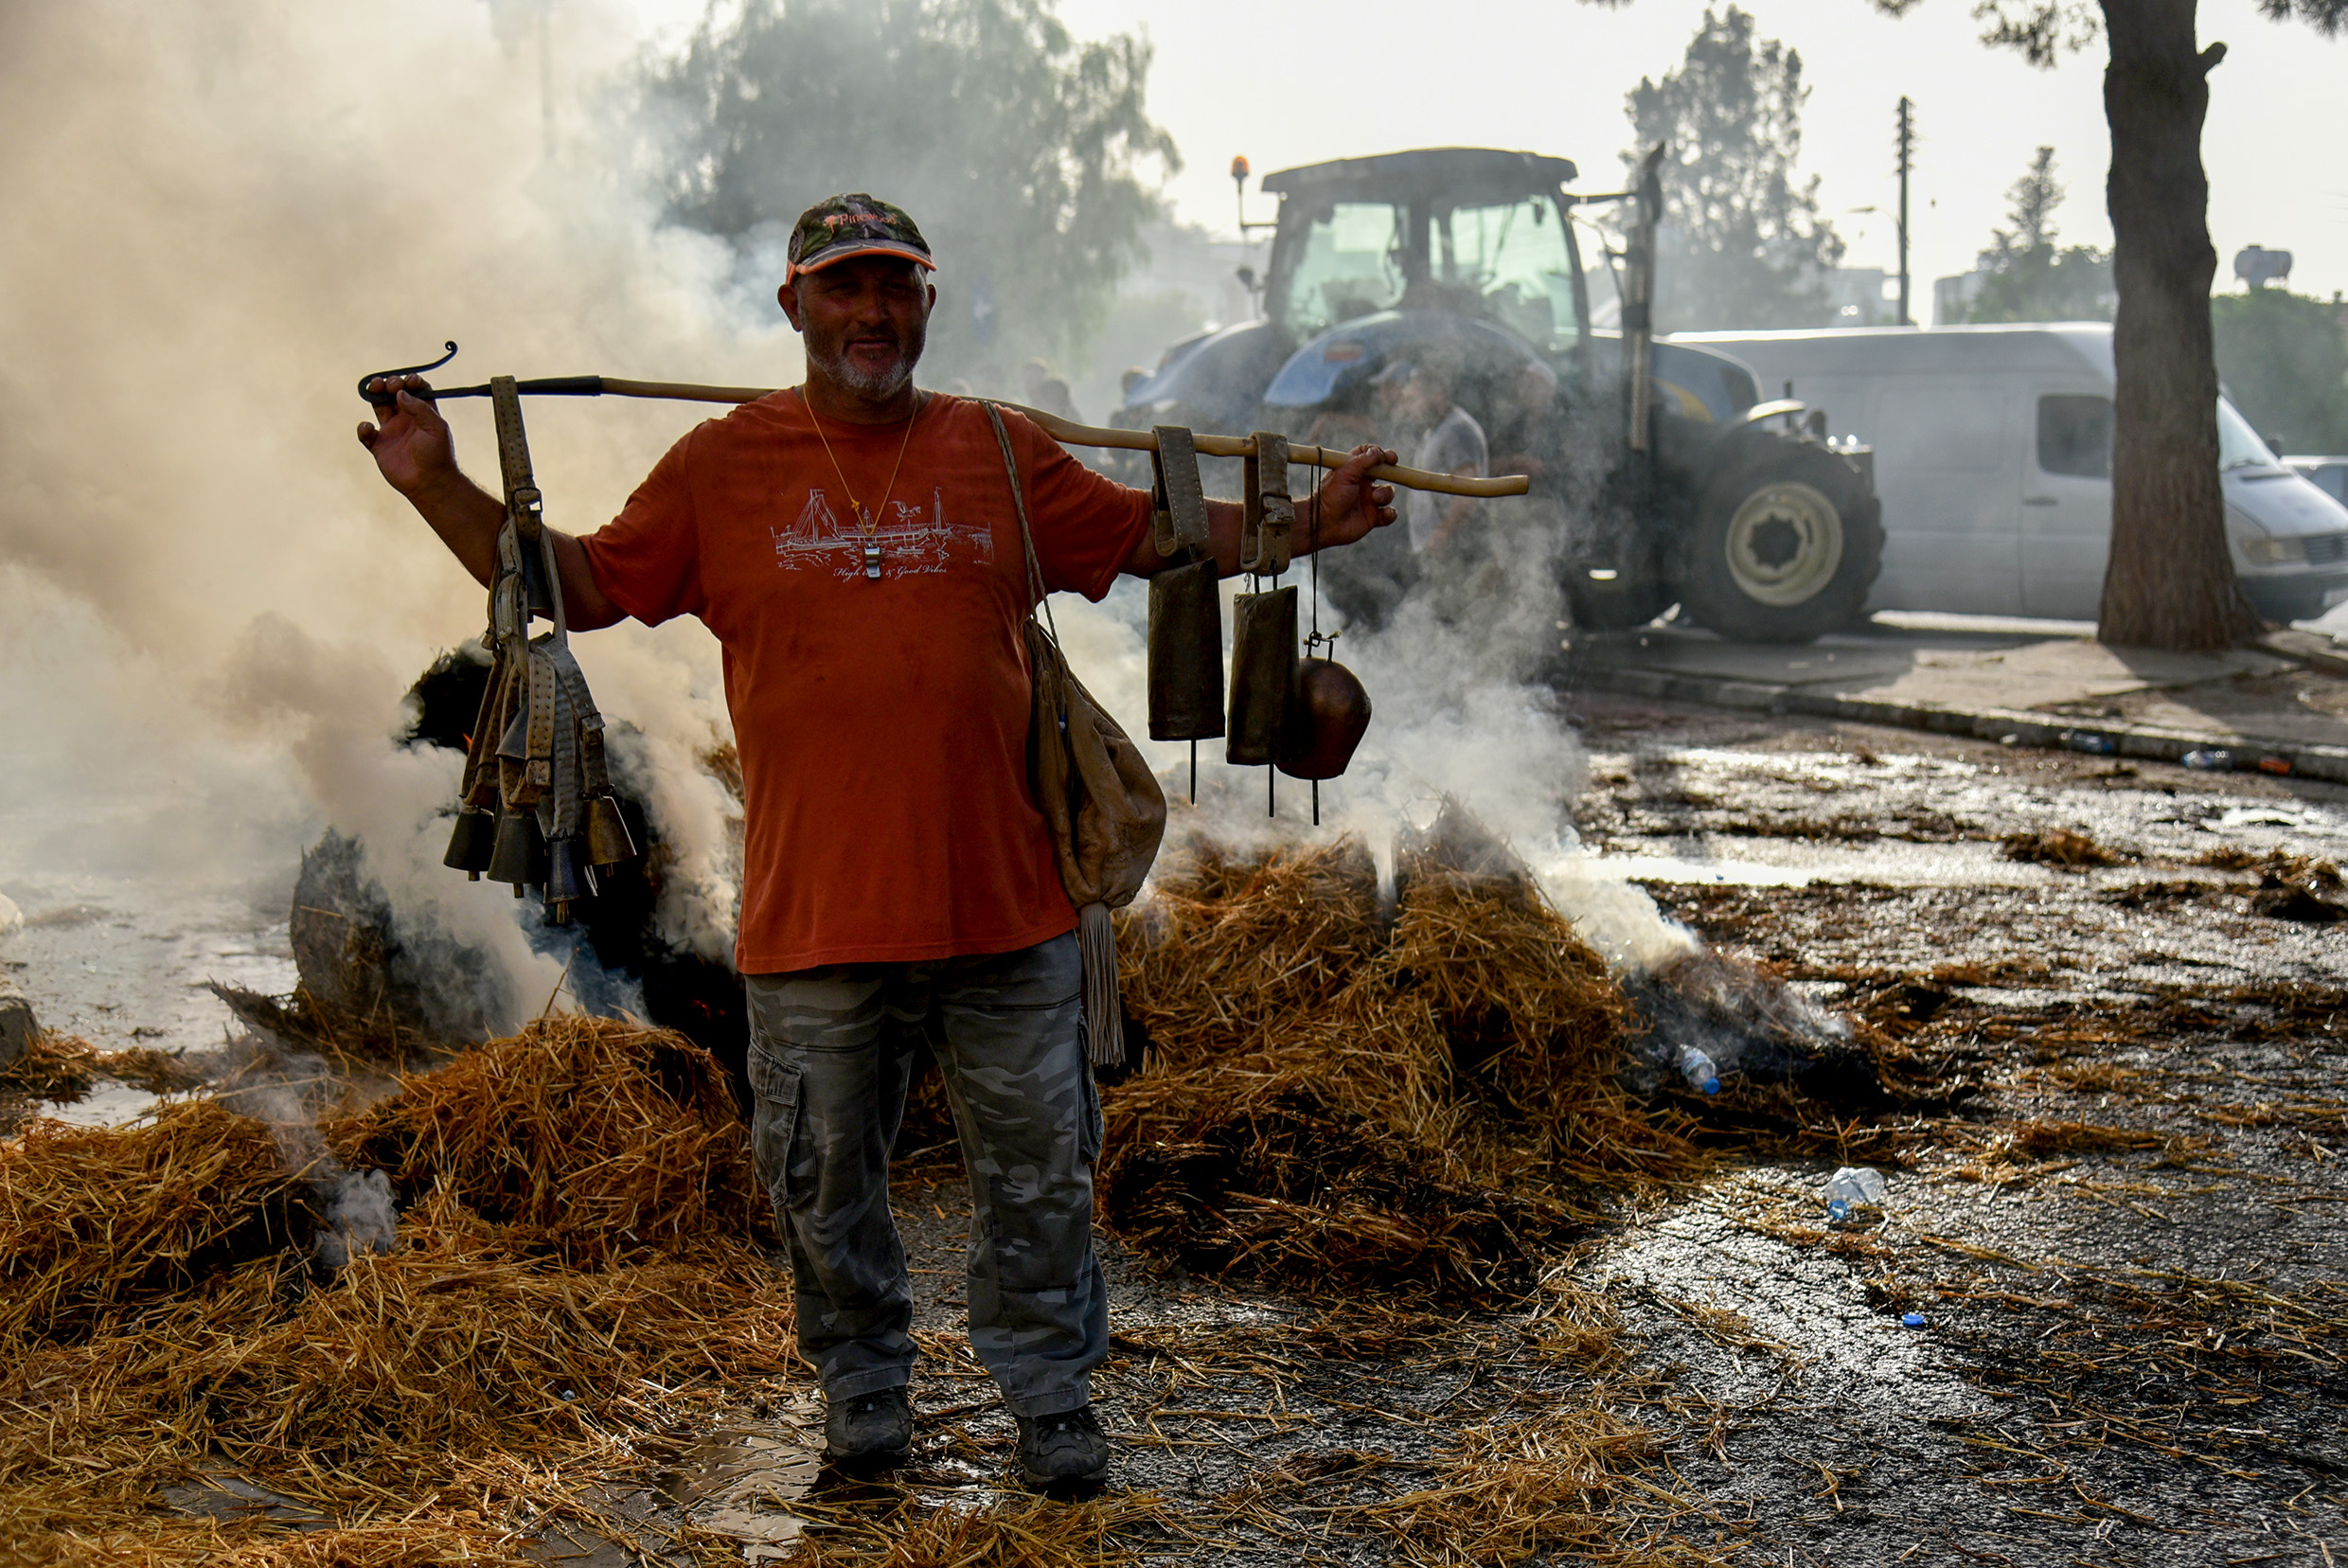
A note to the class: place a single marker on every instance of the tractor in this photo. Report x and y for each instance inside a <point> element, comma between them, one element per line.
<point>1663,475</point>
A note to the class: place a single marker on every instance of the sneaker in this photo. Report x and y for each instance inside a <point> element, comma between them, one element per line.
<point>1056,1450</point>
<point>871,1430</point>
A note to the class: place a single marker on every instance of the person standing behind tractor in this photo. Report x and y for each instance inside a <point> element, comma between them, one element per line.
<point>1454,444</point>
<point>853,545</point>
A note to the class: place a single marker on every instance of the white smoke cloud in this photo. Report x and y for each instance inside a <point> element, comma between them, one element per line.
<point>220,217</point>
<point>1459,713</point>
<point>210,603</point>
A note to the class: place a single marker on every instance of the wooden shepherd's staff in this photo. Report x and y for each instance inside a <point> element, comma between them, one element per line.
<point>1063,431</point>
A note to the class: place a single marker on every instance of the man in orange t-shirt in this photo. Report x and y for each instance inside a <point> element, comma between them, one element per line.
<point>853,545</point>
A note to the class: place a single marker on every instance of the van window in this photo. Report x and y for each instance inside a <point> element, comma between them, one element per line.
<point>2075,435</point>
<point>2238,445</point>
<point>1940,430</point>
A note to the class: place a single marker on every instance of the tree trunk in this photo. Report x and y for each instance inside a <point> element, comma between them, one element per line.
<point>2170,582</point>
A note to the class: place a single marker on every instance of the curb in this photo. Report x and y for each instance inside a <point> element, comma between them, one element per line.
<point>2319,653</point>
<point>2305,760</point>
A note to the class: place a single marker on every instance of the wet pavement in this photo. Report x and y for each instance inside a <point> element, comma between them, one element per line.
<point>2115,1204</point>
<point>2040,681</point>
<point>2120,1235</point>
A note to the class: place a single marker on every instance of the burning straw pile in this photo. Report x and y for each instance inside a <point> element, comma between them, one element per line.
<point>572,1265</point>
<point>1341,1096</point>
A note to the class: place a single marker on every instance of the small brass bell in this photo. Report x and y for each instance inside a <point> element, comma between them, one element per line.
<point>471,842</point>
<point>608,843</point>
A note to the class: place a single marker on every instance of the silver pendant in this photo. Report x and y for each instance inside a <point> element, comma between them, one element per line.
<point>872,560</point>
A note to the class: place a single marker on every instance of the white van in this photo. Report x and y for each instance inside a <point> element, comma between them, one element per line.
<point>1993,457</point>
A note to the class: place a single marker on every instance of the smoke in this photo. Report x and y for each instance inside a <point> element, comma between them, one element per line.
<point>287,1091</point>
<point>1461,713</point>
<point>209,604</point>
<point>359,1217</point>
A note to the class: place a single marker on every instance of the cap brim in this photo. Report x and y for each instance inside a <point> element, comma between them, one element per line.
<point>877,247</point>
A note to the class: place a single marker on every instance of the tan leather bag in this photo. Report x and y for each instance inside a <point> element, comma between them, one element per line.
<point>1101,802</point>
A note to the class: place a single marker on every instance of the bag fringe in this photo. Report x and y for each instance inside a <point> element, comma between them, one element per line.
<point>1104,1009</point>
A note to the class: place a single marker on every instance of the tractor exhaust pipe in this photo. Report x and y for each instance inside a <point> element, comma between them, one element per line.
<point>1639,299</point>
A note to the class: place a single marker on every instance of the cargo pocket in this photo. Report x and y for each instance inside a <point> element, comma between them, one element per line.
<point>774,1128</point>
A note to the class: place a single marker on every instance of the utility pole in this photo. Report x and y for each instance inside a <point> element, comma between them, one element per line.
<point>1906,143</point>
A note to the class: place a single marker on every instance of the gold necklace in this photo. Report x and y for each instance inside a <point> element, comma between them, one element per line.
<point>864,519</point>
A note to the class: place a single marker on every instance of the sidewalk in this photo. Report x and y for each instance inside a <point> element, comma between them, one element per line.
<point>2283,706</point>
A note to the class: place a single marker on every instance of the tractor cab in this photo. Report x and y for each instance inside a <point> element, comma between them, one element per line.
<point>1384,251</point>
<point>1461,231</point>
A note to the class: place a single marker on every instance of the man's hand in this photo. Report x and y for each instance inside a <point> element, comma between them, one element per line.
<point>411,447</point>
<point>1350,505</point>
<point>413,450</point>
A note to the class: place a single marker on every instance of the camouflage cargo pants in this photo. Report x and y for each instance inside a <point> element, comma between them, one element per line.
<point>831,1051</point>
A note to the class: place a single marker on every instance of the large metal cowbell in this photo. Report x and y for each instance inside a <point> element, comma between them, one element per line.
<point>1263,627</point>
<point>1186,607</point>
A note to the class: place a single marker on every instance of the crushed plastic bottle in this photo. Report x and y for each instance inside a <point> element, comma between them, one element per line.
<point>1697,1069</point>
<point>2088,741</point>
<point>2208,761</point>
<point>1851,1185</point>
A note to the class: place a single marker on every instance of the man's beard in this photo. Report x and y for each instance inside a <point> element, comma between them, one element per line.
<point>880,385</point>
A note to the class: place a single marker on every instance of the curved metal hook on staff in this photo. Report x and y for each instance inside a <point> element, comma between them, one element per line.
<point>407,370</point>
<point>1066,431</point>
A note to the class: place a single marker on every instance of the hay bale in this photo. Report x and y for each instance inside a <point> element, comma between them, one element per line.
<point>462,1341</point>
<point>1340,1101</point>
<point>448,1378</point>
<point>369,980</point>
<point>96,1224</point>
<point>599,1138</point>
<point>54,1067</point>
<point>1295,1194</point>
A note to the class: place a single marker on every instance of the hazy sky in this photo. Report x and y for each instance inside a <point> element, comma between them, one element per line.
<point>1298,81</point>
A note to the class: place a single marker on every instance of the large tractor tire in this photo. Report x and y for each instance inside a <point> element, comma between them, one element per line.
<point>1785,542</point>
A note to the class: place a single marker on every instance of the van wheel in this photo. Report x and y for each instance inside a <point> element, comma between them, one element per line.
<point>1784,548</point>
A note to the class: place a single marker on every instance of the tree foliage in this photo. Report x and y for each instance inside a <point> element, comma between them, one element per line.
<point>2030,276</point>
<point>1742,244</point>
<point>2042,30</point>
<point>1018,150</point>
<point>2284,358</point>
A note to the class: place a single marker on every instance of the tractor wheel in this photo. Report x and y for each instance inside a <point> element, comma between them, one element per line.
<point>1786,544</point>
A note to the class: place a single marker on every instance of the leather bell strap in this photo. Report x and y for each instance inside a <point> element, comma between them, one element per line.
<point>1267,514</point>
<point>1178,500</point>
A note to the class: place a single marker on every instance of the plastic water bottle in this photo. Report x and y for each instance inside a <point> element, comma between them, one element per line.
<point>2208,761</point>
<point>1851,1185</point>
<point>1697,1069</point>
<point>2088,741</point>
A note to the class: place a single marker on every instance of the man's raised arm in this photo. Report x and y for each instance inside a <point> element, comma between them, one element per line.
<point>414,453</point>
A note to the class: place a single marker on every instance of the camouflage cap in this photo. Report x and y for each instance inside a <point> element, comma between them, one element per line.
<point>838,227</point>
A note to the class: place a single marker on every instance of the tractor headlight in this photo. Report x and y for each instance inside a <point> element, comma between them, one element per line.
<point>2263,550</point>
